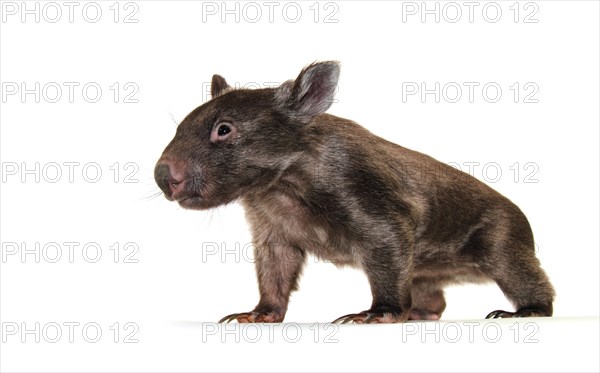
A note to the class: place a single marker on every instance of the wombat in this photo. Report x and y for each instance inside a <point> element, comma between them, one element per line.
<point>315,183</point>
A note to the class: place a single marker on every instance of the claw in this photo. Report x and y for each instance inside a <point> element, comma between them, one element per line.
<point>346,318</point>
<point>367,317</point>
<point>252,317</point>
<point>234,316</point>
<point>499,314</point>
<point>524,312</point>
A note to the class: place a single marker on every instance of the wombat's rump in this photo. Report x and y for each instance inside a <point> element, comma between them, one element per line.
<point>311,182</point>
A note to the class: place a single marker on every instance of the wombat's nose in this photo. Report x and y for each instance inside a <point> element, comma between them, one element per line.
<point>164,175</point>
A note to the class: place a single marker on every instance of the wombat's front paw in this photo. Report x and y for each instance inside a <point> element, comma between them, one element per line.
<point>251,317</point>
<point>372,317</point>
<point>526,312</point>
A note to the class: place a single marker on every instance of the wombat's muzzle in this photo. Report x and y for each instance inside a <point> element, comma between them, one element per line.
<point>168,179</point>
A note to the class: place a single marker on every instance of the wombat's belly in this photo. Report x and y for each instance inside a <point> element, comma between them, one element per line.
<point>450,273</point>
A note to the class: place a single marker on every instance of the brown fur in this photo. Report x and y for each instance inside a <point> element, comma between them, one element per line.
<point>315,183</point>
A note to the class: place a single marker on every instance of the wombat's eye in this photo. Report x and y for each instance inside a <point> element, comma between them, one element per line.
<point>223,130</point>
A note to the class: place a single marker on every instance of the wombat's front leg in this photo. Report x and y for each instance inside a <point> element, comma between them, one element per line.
<point>278,267</point>
<point>389,270</point>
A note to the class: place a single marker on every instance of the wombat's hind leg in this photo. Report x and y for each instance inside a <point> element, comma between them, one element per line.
<point>524,283</point>
<point>428,301</point>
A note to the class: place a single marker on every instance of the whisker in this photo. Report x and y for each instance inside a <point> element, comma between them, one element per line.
<point>173,119</point>
<point>153,195</point>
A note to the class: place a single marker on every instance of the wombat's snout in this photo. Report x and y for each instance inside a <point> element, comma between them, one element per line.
<point>169,178</point>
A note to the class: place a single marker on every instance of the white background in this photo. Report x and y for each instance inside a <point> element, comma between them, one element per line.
<point>168,56</point>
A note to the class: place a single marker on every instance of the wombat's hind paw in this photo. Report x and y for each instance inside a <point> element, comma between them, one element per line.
<point>425,315</point>
<point>499,314</point>
<point>368,317</point>
<point>525,312</point>
<point>251,317</point>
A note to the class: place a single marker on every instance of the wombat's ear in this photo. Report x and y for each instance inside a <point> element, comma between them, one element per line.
<point>218,85</point>
<point>312,92</point>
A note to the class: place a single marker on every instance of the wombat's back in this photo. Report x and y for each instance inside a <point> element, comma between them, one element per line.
<point>390,179</point>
